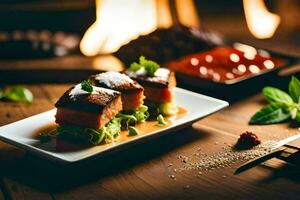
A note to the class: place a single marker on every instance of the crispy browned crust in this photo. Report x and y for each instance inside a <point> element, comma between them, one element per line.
<point>124,86</point>
<point>132,92</point>
<point>95,102</point>
<point>168,80</point>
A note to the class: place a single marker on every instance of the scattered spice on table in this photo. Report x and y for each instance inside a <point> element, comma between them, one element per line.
<point>187,187</point>
<point>170,165</point>
<point>226,158</point>
<point>172,176</point>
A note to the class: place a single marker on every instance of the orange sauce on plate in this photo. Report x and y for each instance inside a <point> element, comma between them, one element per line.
<point>144,128</point>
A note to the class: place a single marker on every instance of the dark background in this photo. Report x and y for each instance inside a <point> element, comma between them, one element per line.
<point>75,16</point>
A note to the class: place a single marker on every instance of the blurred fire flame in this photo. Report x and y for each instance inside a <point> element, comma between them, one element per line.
<point>117,22</point>
<point>261,23</point>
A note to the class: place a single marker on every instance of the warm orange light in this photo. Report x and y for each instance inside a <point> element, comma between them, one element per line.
<point>118,22</point>
<point>187,13</point>
<point>164,19</point>
<point>261,23</point>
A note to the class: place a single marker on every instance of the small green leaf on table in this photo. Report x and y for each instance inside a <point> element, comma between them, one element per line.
<point>294,89</point>
<point>270,114</point>
<point>18,94</point>
<point>278,96</point>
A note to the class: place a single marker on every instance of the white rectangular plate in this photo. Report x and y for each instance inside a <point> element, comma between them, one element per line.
<point>20,133</point>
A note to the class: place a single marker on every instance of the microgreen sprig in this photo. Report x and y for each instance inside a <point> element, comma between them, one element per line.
<point>149,66</point>
<point>87,86</point>
<point>161,121</point>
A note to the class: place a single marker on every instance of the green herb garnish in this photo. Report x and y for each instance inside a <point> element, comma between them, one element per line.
<point>283,106</point>
<point>131,118</point>
<point>132,131</point>
<point>127,120</point>
<point>167,109</point>
<point>270,114</point>
<point>161,120</point>
<point>294,89</point>
<point>149,66</point>
<point>18,94</point>
<point>141,113</point>
<point>87,86</point>
<point>107,134</point>
<point>43,137</point>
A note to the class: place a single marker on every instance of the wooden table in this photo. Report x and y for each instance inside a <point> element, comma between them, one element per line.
<point>142,171</point>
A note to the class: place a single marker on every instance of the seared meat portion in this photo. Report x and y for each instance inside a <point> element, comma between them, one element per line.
<point>157,88</point>
<point>93,110</point>
<point>132,93</point>
<point>158,95</point>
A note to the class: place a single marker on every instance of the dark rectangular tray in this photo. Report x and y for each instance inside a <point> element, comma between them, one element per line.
<point>242,86</point>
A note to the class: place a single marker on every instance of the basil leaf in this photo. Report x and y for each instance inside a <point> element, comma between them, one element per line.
<point>294,89</point>
<point>18,93</point>
<point>298,116</point>
<point>277,96</point>
<point>270,114</point>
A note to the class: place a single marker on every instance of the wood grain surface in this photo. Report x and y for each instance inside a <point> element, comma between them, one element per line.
<point>143,171</point>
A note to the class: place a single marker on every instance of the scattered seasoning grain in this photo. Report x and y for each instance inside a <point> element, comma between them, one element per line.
<point>226,158</point>
<point>172,176</point>
<point>186,187</point>
<point>183,159</point>
<point>170,165</point>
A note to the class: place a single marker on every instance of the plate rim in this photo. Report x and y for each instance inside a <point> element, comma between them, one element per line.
<point>133,141</point>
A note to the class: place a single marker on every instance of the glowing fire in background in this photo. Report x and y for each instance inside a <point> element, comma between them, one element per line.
<point>118,22</point>
<point>261,23</point>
